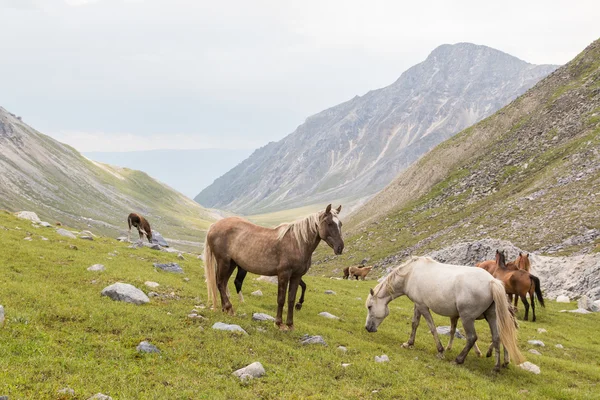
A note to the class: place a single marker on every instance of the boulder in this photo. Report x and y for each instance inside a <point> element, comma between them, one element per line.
<point>158,239</point>
<point>66,233</point>
<point>306,339</point>
<point>262,317</point>
<point>382,358</point>
<point>228,327</point>
<point>96,267</point>
<point>536,343</point>
<point>563,299</point>
<point>254,370</point>
<point>147,347</point>
<point>527,366</point>
<point>169,267</point>
<point>29,215</point>
<point>125,292</point>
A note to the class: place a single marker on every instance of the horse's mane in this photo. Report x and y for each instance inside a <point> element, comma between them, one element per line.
<point>398,272</point>
<point>302,228</point>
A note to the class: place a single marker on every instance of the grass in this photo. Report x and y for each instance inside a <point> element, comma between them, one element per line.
<point>59,332</point>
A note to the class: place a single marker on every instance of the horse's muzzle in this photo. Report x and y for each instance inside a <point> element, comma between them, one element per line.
<point>338,249</point>
<point>370,328</point>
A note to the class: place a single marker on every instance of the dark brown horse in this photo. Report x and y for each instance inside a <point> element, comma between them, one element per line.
<point>284,251</point>
<point>239,281</point>
<point>516,282</point>
<point>142,226</point>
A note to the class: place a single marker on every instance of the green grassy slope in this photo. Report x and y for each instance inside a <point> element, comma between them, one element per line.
<point>59,332</point>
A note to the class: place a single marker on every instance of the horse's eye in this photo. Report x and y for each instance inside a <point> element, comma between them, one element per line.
<point>369,307</point>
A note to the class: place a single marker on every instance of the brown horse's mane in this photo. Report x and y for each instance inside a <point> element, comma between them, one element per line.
<point>302,228</point>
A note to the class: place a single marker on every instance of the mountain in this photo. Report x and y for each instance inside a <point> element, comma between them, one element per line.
<point>186,171</point>
<point>356,148</point>
<point>529,174</point>
<point>39,174</point>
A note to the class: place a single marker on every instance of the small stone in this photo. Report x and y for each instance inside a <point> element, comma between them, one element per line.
<point>328,315</point>
<point>125,292</point>
<point>559,346</point>
<point>534,351</point>
<point>527,366</point>
<point>445,330</point>
<point>180,256</point>
<point>536,343</point>
<point>96,267</point>
<point>196,316</point>
<point>153,294</point>
<point>542,330</point>
<point>382,358</point>
<point>562,299</point>
<point>186,279</point>
<point>86,237</point>
<point>122,238</point>
<point>67,390</point>
<point>44,238</point>
<point>329,292</point>
<point>28,238</point>
<point>66,233</point>
<point>345,365</point>
<point>1,315</point>
<point>254,370</point>
<point>229,327</point>
<point>343,349</point>
<point>73,247</point>
<point>151,284</point>
<point>261,329</point>
<point>257,293</point>
<point>100,396</point>
<point>45,224</point>
<point>577,311</point>
<point>147,347</point>
<point>262,317</point>
<point>170,267</point>
<point>306,339</point>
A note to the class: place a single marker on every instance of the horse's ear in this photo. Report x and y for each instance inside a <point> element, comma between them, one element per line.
<point>520,254</point>
<point>339,209</point>
<point>328,209</point>
<point>372,292</point>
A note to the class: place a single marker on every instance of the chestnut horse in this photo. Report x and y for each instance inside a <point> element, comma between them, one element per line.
<point>142,226</point>
<point>239,281</point>
<point>347,270</point>
<point>359,272</point>
<point>285,251</point>
<point>516,282</point>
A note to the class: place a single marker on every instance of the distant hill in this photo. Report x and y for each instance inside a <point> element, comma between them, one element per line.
<point>356,148</point>
<point>39,174</point>
<point>186,171</point>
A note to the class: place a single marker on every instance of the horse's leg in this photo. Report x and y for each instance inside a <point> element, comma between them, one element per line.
<point>239,281</point>
<point>516,302</point>
<point>531,294</point>
<point>490,316</point>
<point>294,282</point>
<point>453,322</point>
<point>469,326</point>
<point>224,271</point>
<point>282,285</point>
<point>526,305</point>
<point>301,301</point>
<point>440,348</point>
<point>415,324</point>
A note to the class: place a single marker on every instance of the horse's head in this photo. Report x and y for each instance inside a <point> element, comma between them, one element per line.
<point>377,309</point>
<point>524,262</point>
<point>330,229</point>
<point>500,259</point>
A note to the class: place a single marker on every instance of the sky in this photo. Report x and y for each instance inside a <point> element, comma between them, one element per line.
<point>123,75</point>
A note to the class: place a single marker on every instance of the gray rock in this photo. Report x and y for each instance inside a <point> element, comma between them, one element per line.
<point>180,256</point>
<point>527,366</point>
<point>328,315</point>
<point>257,293</point>
<point>343,349</point>
<point>29,215</point>
<point>542,330</point>
<point>345,365</point>
<point>125,292</point>
<point>262,317</point>
<point>96,267</point>
<point>229,327</point>
<point>86,237</point>
<point>306,339</point>
<point>269,279</point>
<point>534,351</point>
<point>254,370</point>
<point>586,303</point>
<point>67,390</point>
<point>169,267</point>
<point>100,396</point>
<point>445,330</point>
<point>577,311</point>
<point>157,238</point>
<point>1,315</point>
<point>329,292</point>
<point>122,238</point>
<point>147,347</point>
<point>559,346</point>
<point>66,233</point>
<point>563,299</point>
<point>536,343</point>
<point>382,358</point>
<point>153,246</point>
<point>151,284</point>
<point>46,224</point>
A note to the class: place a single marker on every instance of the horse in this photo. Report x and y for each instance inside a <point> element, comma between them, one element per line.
<point>359,272</point>
<point>142,225</point>
<point>453,291</point>
<point>523,262</point>
<point>239,281</point>
<point>285,251</point>
<point>516,282</point>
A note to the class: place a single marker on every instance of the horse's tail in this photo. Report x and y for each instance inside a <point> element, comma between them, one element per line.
<point>538,290</point>
<point>129,221</point>
<point>210,272</point>
<point>506,322</point>
<point>346,272</point>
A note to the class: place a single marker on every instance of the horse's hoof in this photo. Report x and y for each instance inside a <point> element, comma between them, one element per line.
<point>457,361</point>
<point>440,355</point>
<point>488,354</point>
<point>505,365</point>
<point>407,345</point>
<point>283,328</point>
<point>298,306</point>
<point>448,348</point>
<point>290,327</point>
<point>496,370</point>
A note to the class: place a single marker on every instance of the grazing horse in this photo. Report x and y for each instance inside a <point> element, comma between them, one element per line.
<point>239,281</point>
<point>359,272</point>
<point>284,251</point>
<point>516,282</point>
<point>453,291</point>
<point>142,226</point>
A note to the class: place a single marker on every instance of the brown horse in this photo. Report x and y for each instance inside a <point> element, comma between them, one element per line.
<point>516,282</point>
<point>523,262</point>
<point>347,270</point>
<point>284,251</point>
<point>359,272</point>
<point>142,226</point>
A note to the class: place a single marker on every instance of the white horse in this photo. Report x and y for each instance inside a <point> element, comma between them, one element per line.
<point>453,291</point>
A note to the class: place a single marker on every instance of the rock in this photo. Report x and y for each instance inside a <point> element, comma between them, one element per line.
<point>196,316</point>
<point>157,238</point>
<point>1,315</point>
<point>445,330</point>
<point>534,351</point>
<point>586,303</point>
<point>329,292</point>
<point>254,370</point>
<point>186,279</point>
<point>125,292</point>
<point>180,256</point>
<point>306,339</point>
<point>29,215</point>
<point>28,238</point>
<point>86,237</point>
<point>67,390</point>
<point>96,267</point>
<point>343,349</point>
<point>328,315</point>
<point>170,267</point>
<point>382,358</point>
<point>151,284</point>
<point>527,366</point>
<point>269,279</point>
<point>542,330</point>
<point>100,396</point>
<point>153,294</point>
<point>147,347</point>
<point>86,233</point>
<point>559,346</point>
<point>563,299</point>
<point>122,238</point>
<point>577,311</point>
<point>262,317</point>
<point>536,343</point>
<point>153,246</point>
<point>346,365</point>
<point>257,293</point>
<point>45,224</point>
<point>66,233</point>
<point>229,327</point>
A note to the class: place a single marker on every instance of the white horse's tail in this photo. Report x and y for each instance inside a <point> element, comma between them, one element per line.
<point>210,272</point>
<point>506,323</point>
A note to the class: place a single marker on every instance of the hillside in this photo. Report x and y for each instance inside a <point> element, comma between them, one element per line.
<point>351,151</point>
<point>529,174</point>
<point>59,332</point>
<point>40,174</point>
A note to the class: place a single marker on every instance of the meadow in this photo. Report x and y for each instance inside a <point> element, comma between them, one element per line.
<point>60,332</point>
